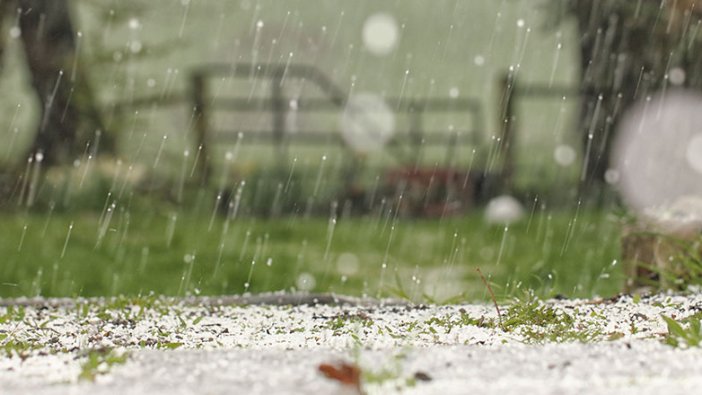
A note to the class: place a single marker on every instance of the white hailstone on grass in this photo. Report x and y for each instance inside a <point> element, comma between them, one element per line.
<point>454,92</point>
<point>305,282</point>
<point>564,155</point>
<point>503,210</point>
<point>380,34</point>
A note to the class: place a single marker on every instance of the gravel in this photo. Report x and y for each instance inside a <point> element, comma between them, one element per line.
<point>212,346</point>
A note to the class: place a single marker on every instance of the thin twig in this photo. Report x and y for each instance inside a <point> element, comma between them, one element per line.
<point>492,296</point>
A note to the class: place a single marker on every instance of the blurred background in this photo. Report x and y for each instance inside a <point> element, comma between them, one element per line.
<point>372,148</point>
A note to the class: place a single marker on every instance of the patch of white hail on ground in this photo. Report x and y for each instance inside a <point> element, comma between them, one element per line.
<point>270,336</point>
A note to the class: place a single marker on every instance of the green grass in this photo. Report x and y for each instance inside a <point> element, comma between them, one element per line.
<point>541,323</point>
<point>177,251</point>
<point>165,250</point>
<point>686,336</point>
<point>100,361</point>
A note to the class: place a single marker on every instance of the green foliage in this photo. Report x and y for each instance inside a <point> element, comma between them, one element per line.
<point>450,321</point>
<point>86,186</point>
<point>168,345</point>
<point>341,321</point>
<point>100,361</point>
<point>684,337</point>
<point>145,250</point>
<point>532,311</point>
<point>538,322</point>
<point>678,262</point>
<point>273,191</point>
<point>12,313</point>
<point>12,347</point>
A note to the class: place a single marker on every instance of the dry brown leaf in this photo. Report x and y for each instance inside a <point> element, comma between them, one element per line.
<point>343,372</point>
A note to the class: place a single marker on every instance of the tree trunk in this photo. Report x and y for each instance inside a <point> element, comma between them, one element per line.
<point>70,122</point>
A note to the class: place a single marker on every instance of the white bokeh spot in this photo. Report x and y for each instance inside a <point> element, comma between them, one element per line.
<point>347,264</point>
<point>380,33</point>
<point>658,151</point>
<point>564,155</point>
<point>305,282</point>
<point>504,210</point>
<point>367,123</point>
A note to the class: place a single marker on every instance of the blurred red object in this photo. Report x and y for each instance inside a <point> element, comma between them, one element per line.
<point>431,192</point>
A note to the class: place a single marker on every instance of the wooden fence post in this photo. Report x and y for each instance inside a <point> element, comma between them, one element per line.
<point>416,133</point>
<point>279,113</point>
<point>200,126</point>
<point>507,124</point>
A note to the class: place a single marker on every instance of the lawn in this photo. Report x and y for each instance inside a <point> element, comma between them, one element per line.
<point>143,249</point>
<point>445,46</point>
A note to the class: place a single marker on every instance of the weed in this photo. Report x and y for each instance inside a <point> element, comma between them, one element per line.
<point>340,321</point>
<point>390,373</point>
<point>492,294</point>
<point>12,314</point>
<point>13,347</point>
<point>680,336</point>
<point>663,261</point>
<point>168,345</point>
<point>450,321</point>
<point>100,361</point>
<point>539,323</point>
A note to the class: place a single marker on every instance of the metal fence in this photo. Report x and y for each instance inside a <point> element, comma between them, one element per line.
<point>405,145</point>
